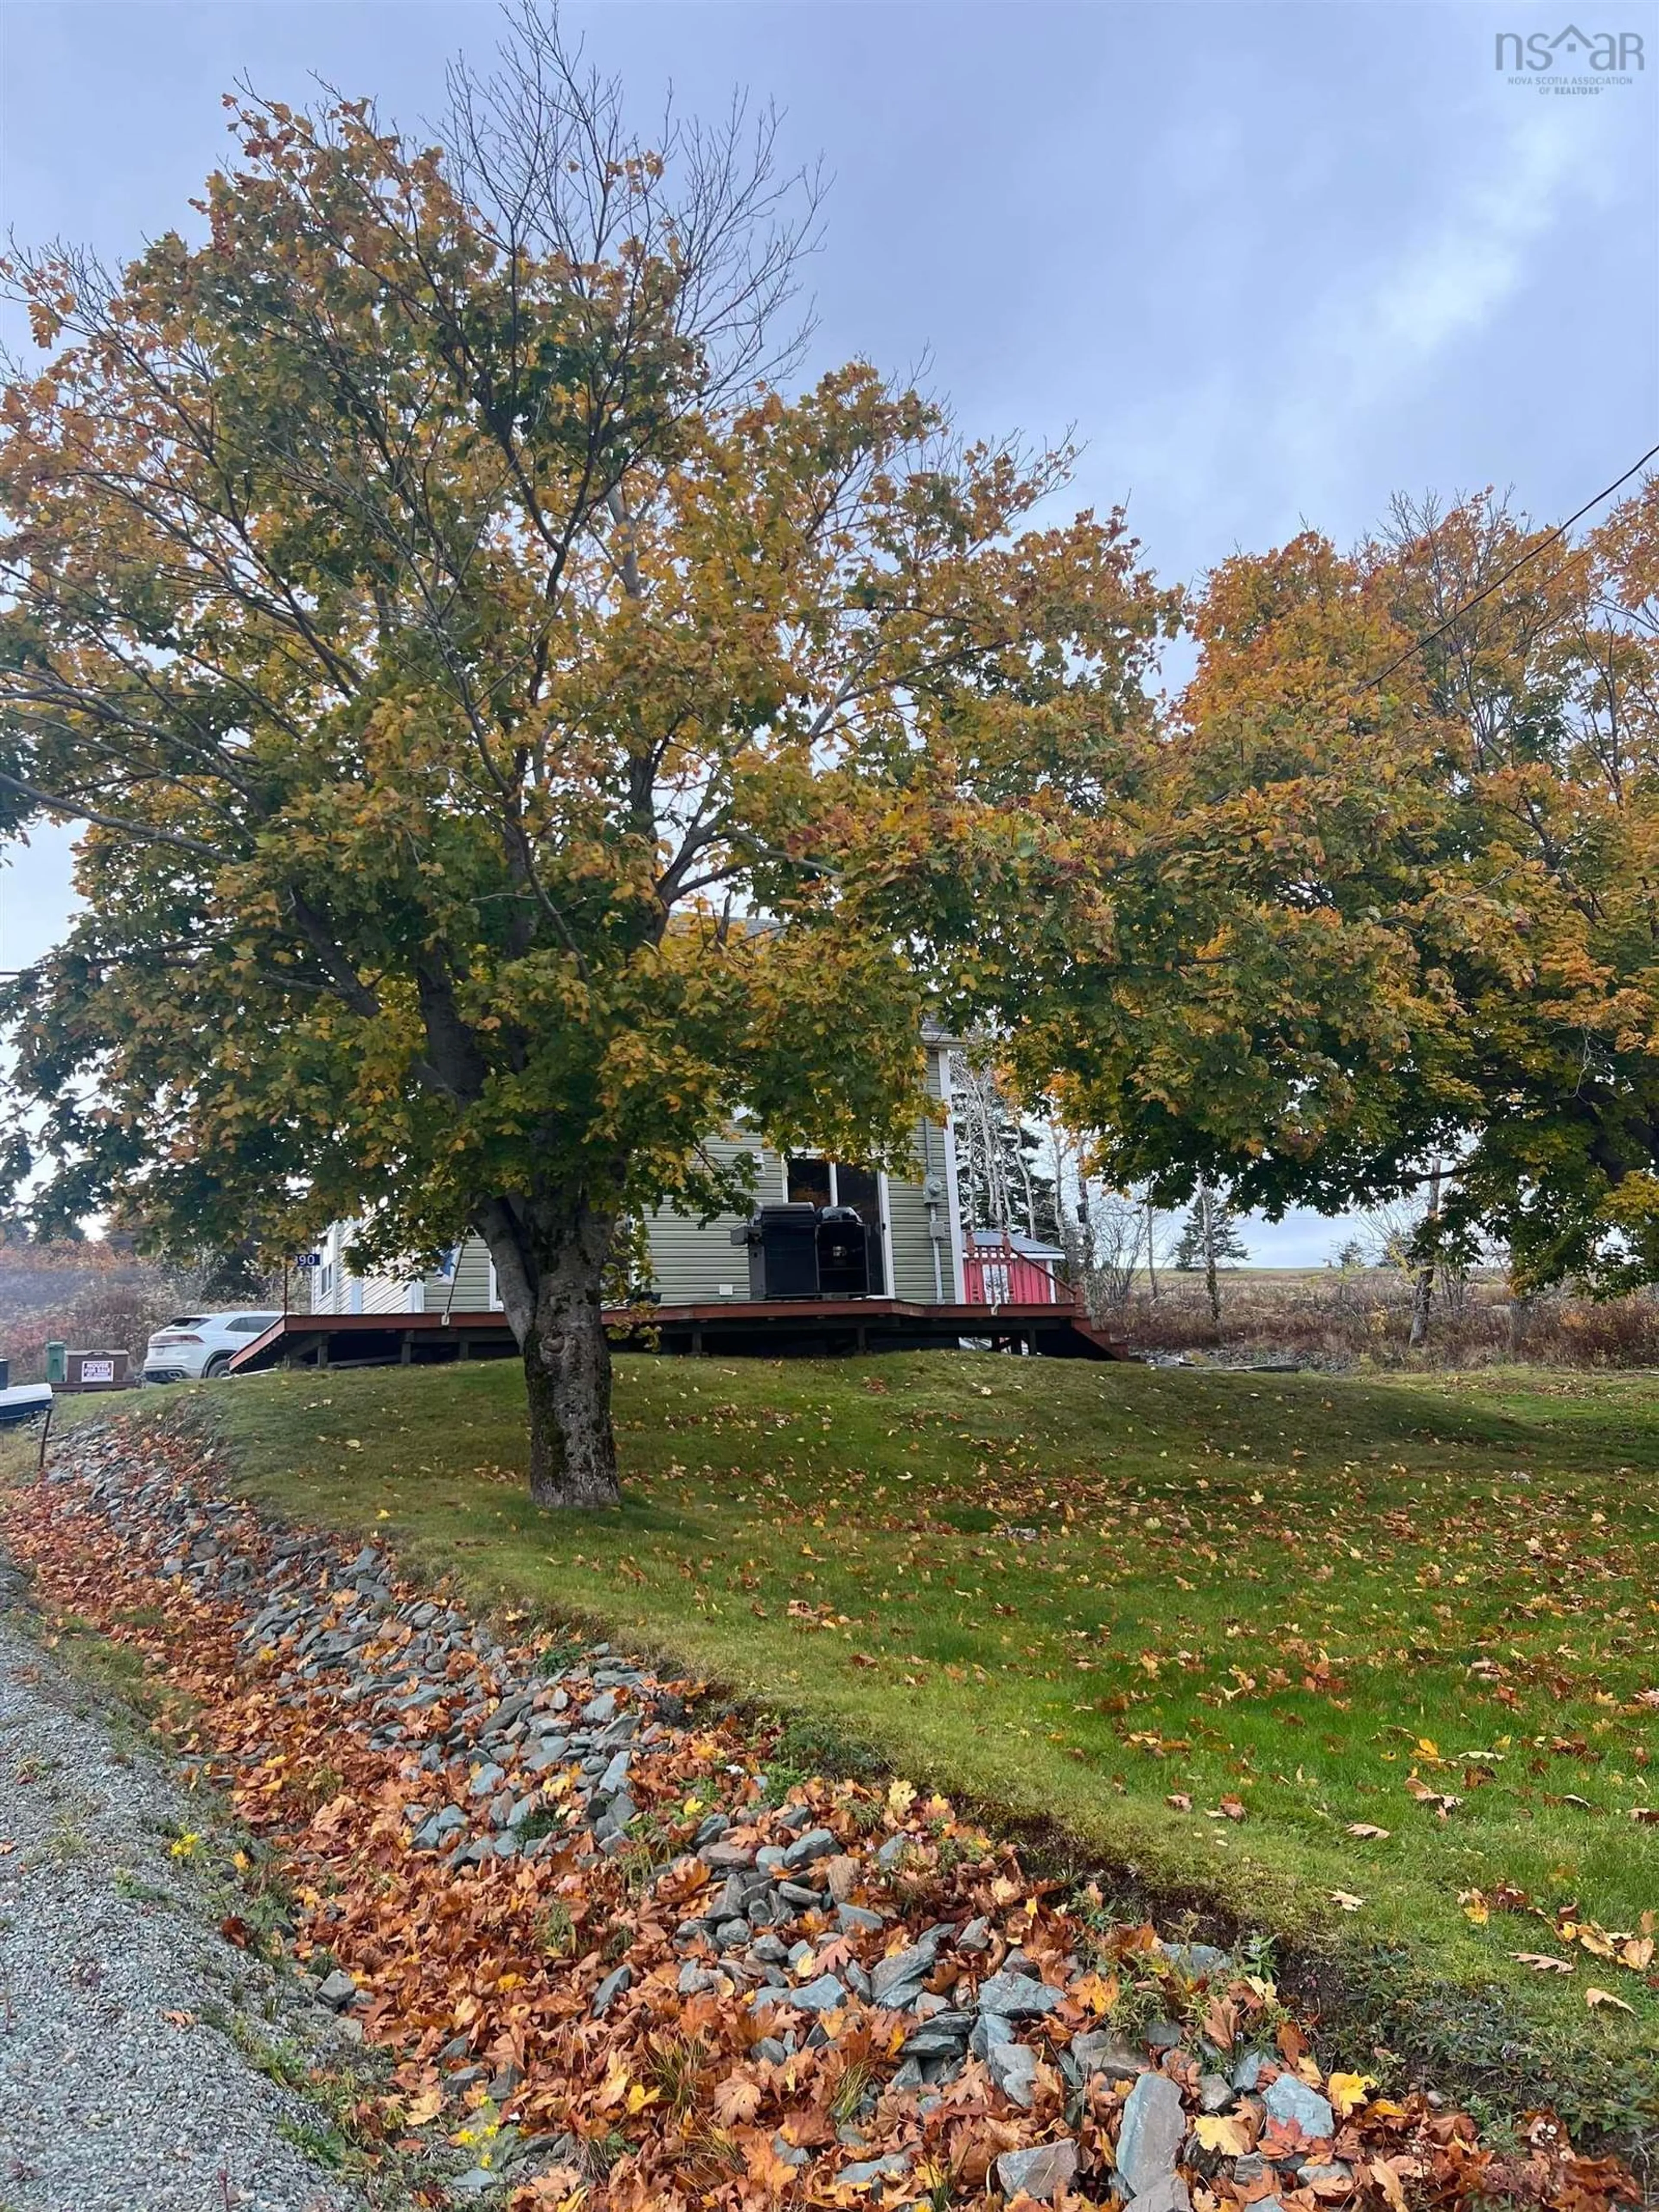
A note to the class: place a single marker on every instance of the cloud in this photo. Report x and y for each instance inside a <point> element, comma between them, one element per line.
<point>1376,338</point>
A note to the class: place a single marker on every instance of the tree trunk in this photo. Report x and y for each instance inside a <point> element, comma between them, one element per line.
<point>1423,1289</point>
<point>1207,1198</point>
<point>551,1272</point>
<point>1151,1252</point>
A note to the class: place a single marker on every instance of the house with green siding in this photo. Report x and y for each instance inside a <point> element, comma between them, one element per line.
<point>914,1221</point>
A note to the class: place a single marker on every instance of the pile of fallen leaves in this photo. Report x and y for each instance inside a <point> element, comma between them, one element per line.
<point>665,2097</point>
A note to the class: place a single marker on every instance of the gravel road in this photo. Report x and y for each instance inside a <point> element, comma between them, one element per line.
<point>115,2093</point>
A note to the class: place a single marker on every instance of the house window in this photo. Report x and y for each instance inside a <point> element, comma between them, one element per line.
<point>325,1281</point>
<point>812,1182</point>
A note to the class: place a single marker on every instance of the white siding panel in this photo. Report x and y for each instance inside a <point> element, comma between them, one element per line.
<point>467,1291</point>
<point>384,1294</point>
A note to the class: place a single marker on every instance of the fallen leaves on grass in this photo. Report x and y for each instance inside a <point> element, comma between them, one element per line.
<point>669,2102</point>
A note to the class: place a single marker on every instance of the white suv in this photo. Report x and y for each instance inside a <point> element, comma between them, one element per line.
<point>201,1346</point>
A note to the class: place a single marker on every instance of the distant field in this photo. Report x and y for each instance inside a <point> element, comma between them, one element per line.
<point>1091,1593</point>
<point>1360,1319</point>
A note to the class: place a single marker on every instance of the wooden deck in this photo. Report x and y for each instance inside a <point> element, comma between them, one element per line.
<point>815,1328</point>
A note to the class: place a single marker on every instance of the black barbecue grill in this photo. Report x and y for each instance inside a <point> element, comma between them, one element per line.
<point>801,1251</point>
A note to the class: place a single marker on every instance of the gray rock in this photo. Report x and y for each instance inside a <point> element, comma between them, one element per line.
<point>1149,2141</point>
<point>907,2075</point>
<point>863,2172</point>
<point>487,1781</point>
<point>1247,2074</point>
<point>477,2181</point>
<point>337,1991</point>
<point>1313,2171</point>
<point>616,1816</point>
<point>826,1994</point>
<point>990,2030</point>
<point>855,1920</point>
<point>944,2038</point>
<point>1289,2099</point>
<point>975,1935</point>
<point>815,1844</point>
<point>609,1990</point>
<point>434,1832</point>
<point>1018,1997</point>
<point>1215,2092</point>
<point>1042,2171</point>
<point>614,1777</point>
<point>789,2153</point>
<point>895,1981</point>
<point>597,1710</point>
<point>1197,1961</point>
<point>1013,2067</point>
<point>697,1981</point>
<point>1168,2195</point>
<point>1099,2052</point>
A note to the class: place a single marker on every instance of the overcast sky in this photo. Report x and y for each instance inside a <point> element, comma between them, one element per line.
<point>1274,263</point>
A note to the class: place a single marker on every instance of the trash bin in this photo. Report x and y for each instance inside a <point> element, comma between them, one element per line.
<point>57,1362</point>
<point>5,1373</point>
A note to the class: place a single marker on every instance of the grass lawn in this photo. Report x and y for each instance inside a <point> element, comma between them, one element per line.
<point>1089,1593</point>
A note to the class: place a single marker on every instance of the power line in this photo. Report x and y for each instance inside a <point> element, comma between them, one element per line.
<point>1498,582</point>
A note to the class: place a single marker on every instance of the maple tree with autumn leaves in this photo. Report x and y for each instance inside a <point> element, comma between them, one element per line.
<point>515,736</point>
<point>518,730</point>
<point>1384,924</point>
